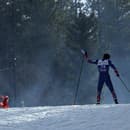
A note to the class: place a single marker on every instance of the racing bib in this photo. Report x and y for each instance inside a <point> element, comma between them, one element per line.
<point>103,65</point>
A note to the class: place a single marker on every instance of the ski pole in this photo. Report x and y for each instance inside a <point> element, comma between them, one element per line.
<point>124,84</point>
<point>78,83</point>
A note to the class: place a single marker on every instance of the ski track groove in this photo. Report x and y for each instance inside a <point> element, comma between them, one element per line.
<point>91,117</point>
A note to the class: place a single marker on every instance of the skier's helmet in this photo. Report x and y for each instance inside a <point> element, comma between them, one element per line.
<point>106,56</point>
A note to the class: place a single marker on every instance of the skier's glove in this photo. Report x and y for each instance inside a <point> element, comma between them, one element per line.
<point>117,74</point>
<point>84,53</point>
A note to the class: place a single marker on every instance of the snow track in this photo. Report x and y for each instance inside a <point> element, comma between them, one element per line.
<point>86,117</point>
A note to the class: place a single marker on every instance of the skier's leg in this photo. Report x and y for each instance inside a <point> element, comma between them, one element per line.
<point>99,89</point>
<point>110,86</point>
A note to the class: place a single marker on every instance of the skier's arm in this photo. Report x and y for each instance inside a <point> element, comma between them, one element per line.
<point>114,68</point>
<point>92,61</point>
<point>88,60</point>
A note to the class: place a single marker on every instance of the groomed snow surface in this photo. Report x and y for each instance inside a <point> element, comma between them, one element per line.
<point>85,117</point>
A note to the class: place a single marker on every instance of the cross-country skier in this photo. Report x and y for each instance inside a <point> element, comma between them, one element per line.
<point>4,102</point>
<point>104,77</point>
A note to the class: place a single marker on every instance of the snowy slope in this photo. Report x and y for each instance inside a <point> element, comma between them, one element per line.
<point>86,117</point>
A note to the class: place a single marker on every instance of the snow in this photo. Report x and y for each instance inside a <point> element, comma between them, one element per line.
<point>83,1</point>
<point>85,117</point>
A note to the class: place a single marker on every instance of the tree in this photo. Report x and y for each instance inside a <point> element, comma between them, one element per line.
<point>44,36</point>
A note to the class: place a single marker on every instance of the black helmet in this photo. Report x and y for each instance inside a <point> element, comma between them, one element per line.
<point>106,56</point>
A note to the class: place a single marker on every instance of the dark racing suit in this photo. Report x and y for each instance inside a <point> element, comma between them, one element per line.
<point>104,77</point>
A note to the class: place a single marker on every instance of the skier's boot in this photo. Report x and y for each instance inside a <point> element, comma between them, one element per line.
<point>98,103</point>
<point>98,99</point>
<point>116,101</point>
<point>115,97</point>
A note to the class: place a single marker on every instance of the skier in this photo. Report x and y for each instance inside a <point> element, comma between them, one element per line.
<point>4,102</point>
<point>104,77</point>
